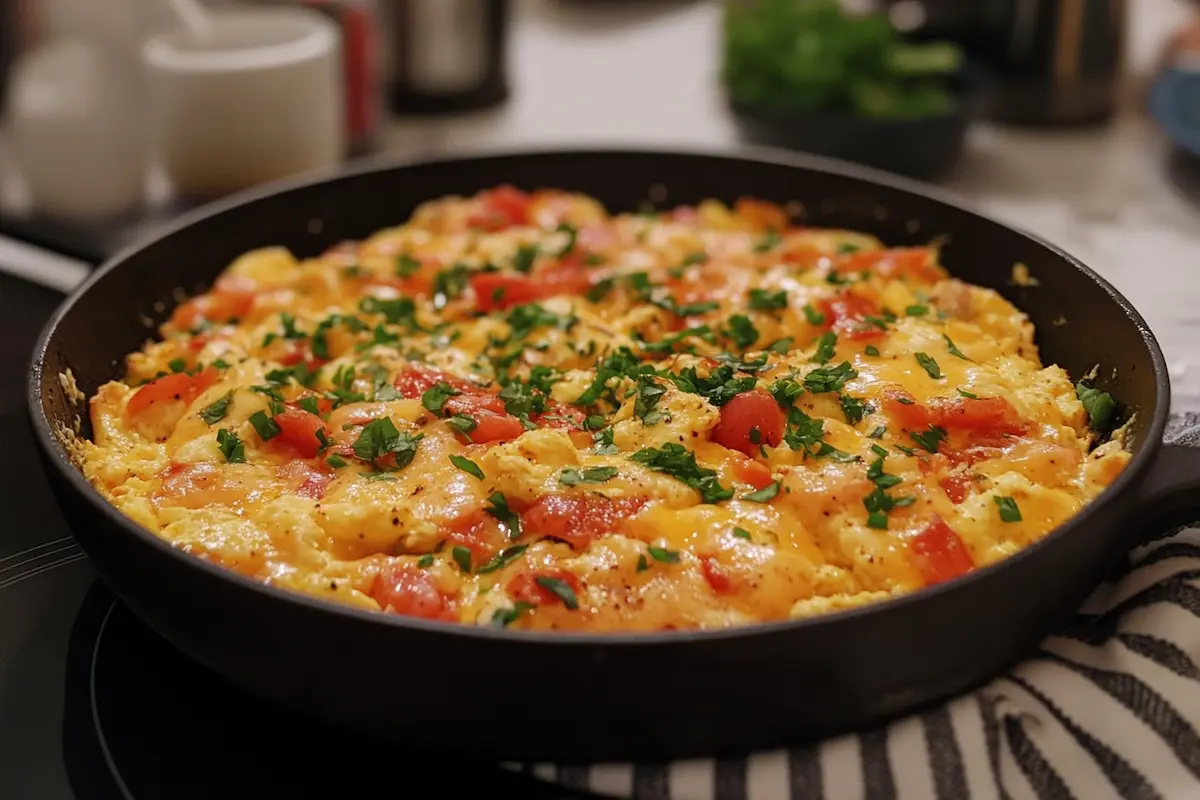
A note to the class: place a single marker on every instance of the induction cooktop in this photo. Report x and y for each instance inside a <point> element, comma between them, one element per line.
<point>95,706</point>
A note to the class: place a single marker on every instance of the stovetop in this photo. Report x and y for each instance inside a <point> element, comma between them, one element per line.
<point>95,706</point>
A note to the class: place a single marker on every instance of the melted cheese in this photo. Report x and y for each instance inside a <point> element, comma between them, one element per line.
<point>421,517</point>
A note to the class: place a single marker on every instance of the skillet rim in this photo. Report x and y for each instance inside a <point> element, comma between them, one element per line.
<point>50,446</point>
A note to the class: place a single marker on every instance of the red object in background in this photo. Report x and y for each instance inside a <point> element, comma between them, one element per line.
<point>359,22</point>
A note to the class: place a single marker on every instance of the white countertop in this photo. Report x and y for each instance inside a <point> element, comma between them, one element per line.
<point>645,73</point>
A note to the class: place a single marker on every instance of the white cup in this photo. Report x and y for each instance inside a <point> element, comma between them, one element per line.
<point>257,98</point>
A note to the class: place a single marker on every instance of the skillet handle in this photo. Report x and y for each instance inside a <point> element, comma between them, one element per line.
<point>1170,496</point>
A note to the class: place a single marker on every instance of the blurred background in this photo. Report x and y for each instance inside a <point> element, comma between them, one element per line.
<point>1078,119</point>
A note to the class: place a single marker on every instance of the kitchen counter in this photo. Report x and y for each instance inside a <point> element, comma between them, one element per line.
<point>645,73</point>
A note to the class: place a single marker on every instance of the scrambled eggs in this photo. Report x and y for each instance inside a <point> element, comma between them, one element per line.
<point>519,410</point>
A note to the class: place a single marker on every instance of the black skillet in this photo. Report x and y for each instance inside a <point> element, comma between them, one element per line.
<point>574,698</point>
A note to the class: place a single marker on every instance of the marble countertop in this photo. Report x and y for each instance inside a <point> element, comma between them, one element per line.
<point>645,73</point>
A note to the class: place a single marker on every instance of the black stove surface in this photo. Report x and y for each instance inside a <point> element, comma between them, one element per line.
<point>95,706</point>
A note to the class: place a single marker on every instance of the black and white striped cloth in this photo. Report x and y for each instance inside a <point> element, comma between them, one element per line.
<point>1107,708</point>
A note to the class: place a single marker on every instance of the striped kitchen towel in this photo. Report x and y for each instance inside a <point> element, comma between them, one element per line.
<point>1107,708</point>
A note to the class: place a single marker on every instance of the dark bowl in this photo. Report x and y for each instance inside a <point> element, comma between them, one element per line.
<point>924,148</point>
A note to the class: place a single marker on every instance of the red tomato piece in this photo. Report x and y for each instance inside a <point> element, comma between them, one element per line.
<point>524,587</point>
<point>298,430</point>
<point>911,262</point>
<point>749,420</point>
<point>308,482</point>
<point>409,591</point>
<point>846,314</point>
<point>560,415</point>
<point>578,519</point>
<point>989,416</point>
<point>219,305</point>
<point>499,290</point>
<point>716,574</point>
<point>755,473</point>
<point>492,422</point>
<point>956,487</point>
<point>500,208</point>
<point>324,404</point>
<point>170,388</point>
<point>939,554</point>
<point>416,379</point>
<point>903,407</point>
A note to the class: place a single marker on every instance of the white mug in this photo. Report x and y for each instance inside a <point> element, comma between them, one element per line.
<point>256,98</point>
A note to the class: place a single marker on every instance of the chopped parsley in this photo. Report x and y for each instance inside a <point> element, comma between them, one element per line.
<point>498,507</point>
<point>718,387</point>
<point>574,477</point>
<point>400,311</point>
<point>525,256</point>
<point>463,424</point>
<point>877,433</point>
<point>781,346</point>
<point>232,448</point>
<point>1100,406</point>
<point>177,365</point>
<point>765,494</point>
<point>467,465</point>
<point>953,350</point>
<point>769,241</point>
<point>813,316</point>
<point>680,463</point>
<point>663,555</point>
<point>826,347</point>
<point>829,379</point>
<point>406,266</point>
<point>916,311</point>
<point>966,394</point>
<point>741,331</point>
<point>602,443</point>
<point>930,366</point>
<point>462,557</point>
<point>762,300</point>
<point>561,589</point>
<point>853,408</point>
<point>380,437</point>
<point>601,290</point>
<point>642,564</point>
<point>785,391</point>
<point>449,284</point>
<point>502,559</point>
<point>264,426</point>
<point>572,235</point>
<point>741,533</point>
<point>928,440</point>
<point>298,372</point>
<point>649,392</point>
<point>621,363</point>
<point>667,343</point>
<point>425,561</point>
<point>1009,512</point>
<point>504,617</point>
<point>216,412</point>
<point>871,350</point>
<point>434,398</point>
<point>320,341</point>
<point>336,461</point>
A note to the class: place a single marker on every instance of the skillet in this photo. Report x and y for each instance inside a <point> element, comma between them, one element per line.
<point>581,698</point>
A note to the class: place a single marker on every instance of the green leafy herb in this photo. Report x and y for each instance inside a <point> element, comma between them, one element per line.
<point>602,443</point>
<point>762,300</point>
<point>601,290</point>
<point>449,284</point>
<point>232,448</point>
<point>826,347</point>
<point>525,256</point>
<point>425,561</point>
<point>572,235</point>
<point>216,412</point>
<point>467,465</point>
<point>649,392</point>
<point>399,311</point>
<point>741,331</point>
<point>462,424</point>
<point>1009,512</point>
<point>829,379</point>
<point>498,507</point>
<point>680,463</point>
<point>663,555</point>
<point>177,365</point>
<point>502,559</point>
<point>916,311</point>
<point>406,266</point>
<point>929,365</point>
<point>769,241</point>
<point>928,440</point>
<point>741,533</point>
<point>381,437</point>
<point>853,408</point>
<point>462,557</point>
<point>504,617</point>
<point>813,316</point>
<point>878,432</point>
<point>667,343</point>
<point>781,346</point>
<point>952,349</point>
<point>336,461</point>
<point>871,350</point>
<point>264,426</point>
<point>642,564</point>
<point>765,494</point>
<point>574,477</point>
<point>1100,406</point>
<point>966,394</point>
<point>561,589</point>
<point>434,398</point>
<point>718,387</point>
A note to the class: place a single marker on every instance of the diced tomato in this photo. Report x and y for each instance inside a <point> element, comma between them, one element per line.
<point>198,342</point>
<point>716,574</point>
<point>409,591</point>
<point>500,208</point>
<point>170,388</point>
<point>939,554</point>
<point>524,588</point>
<point>761,214</point>
<point>755,473</point>
<point>298,431</point>
<point>308,482</point>
<point>500,290</point>
<point>416,379</point>
<point>578,519</point>
<point>479,532</point>
<point>956,486</point>
<point>846,314</point>
<point>560,415</point>
<point>897,262</point>
<point>749,420</point>
<point>219,305</point>
<point>492,422</point>
<point>985,417</point>
<point>324,404</point>
<point>297,351</point>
